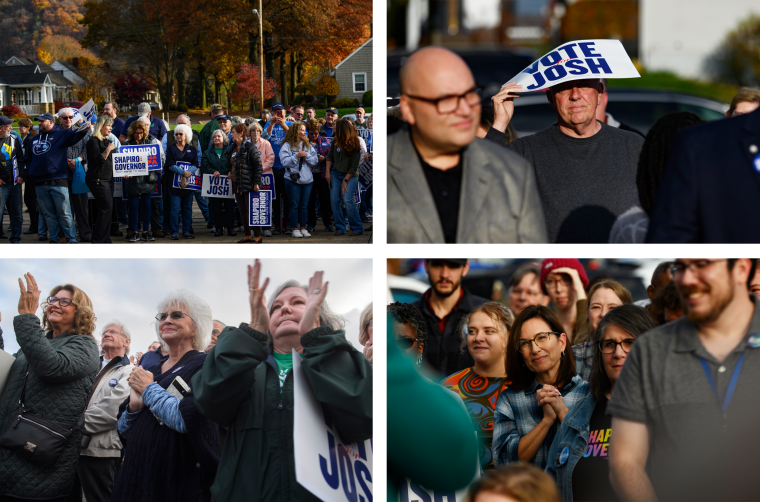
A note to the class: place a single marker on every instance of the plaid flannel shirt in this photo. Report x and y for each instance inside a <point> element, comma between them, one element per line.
<point>517,413</point>
<point>322,146</point>
<point>584,358</point>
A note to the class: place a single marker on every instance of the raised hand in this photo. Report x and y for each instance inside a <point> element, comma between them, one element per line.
<point>504,106</point>
<point>314,298</point>
<point>580,292</point>
<point>259,312</point>
<point>29,300</point>
<point>135,401</point>
<point>368,350</point>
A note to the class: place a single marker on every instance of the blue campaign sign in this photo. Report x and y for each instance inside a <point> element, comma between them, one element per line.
<point>357,195</point>
<point>267,183</point>
<point>194,182</point>
<point>260,209</point>
<point>157,190</point>
<point>365,134</point>
<point>365,174</point>
<point>15,171</point>
<point>153,151</point>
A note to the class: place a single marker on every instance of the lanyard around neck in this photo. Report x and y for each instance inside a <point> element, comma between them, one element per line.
<point>731,384</point>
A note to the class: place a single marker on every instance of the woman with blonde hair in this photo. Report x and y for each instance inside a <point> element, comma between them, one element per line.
<point>52,378</point>
<point>99,177</point>
<point>298,158</point>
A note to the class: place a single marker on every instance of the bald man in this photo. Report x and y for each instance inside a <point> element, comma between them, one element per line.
<point>444,184</point>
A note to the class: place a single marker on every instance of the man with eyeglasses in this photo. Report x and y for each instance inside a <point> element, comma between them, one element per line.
<point>687,404</point>
<point>444,184</point>
<point>79,202</point>
<point>328,128</point>
<point>297,113</point>
<point>47,165</point>
<point>218,326</point>
<point>11,155</point>
<point>585,169</point>
<point>525,289</point>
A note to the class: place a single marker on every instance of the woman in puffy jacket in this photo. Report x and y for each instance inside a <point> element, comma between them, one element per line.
<point>140,188</point>
<point>246,177</point>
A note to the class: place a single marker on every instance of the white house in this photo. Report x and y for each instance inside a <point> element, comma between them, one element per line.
<point>32,85</point>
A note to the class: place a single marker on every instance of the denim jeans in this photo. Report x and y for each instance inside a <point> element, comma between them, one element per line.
<point>54,204</point>
<point>202,203</point>
<point>185,205</point>
<point>139,212</point>
<point>298,198</point>
<point>336,179</point>
<point>12,194</point>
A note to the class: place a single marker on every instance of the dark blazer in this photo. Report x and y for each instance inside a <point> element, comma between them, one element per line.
<point>499,202</point>
<point>710,192</point>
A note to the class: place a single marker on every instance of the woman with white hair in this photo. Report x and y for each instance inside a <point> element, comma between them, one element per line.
<point>181,198</point>
<point>246,381</point>
<point>173,449</point>
<point>99,177</point>
<point>214,161</point>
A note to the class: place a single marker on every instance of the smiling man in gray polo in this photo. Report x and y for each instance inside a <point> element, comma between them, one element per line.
<point>686,408</point>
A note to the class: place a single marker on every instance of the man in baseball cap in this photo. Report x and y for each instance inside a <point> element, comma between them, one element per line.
<point>565,281</point>
<point>331,115</point>
<point>443,306</point>
<point>277,128</point>
<point>360,121</point>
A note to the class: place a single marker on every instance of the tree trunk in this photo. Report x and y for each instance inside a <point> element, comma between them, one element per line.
<point>293,64</point>
<point>181,80</point>
<point>217,84</point>
<point>253,47</point>
<point>284,81</point>
<point>202,80</point>
<point>269,63</point>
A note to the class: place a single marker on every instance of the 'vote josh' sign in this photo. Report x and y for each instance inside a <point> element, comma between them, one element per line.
<point>332,471</point>
<point>577,60</point>
<point>220,187</point>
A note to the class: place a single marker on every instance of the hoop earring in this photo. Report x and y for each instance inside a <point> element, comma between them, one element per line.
<point>562,356</point>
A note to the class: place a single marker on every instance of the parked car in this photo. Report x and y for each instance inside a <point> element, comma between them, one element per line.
<point>491,68</point>
<point>639,109</point>
<point>74,104</point>
<point>352,116</point>
<point>154,106</point>
<point>405,289</point>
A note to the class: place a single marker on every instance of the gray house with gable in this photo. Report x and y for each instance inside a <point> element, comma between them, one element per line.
<point>354,74</point>
<point>32,85</point>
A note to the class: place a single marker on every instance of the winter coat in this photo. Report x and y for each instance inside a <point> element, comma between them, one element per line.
<point>246,166</point>
<point>174,155</point>
<point>267,155</point>
<point>342,162</point>
<point>211,163</point>
<point>292,164</point>
<point>98,168</point>
<point>137,185</point>
<point>239,388</point>
<point>111,389</point>
<point>10,150</point>
<point>61,374</point>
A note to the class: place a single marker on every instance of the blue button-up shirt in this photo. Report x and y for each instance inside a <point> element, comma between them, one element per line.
<point>517,413</point>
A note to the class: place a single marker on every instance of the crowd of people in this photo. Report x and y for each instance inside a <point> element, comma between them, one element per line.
<point>458,173</point>
<point>314,166</point>
<point>614,399</point>
<point>206,413</point>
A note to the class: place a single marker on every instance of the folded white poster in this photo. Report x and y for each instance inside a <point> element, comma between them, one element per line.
<point>577,60</point>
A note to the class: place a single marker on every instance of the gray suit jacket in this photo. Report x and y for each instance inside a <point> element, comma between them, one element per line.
<point>499,201</point>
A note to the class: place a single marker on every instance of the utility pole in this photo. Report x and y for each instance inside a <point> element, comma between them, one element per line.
<point>259,14</point>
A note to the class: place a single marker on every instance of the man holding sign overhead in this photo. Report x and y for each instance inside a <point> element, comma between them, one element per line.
<point>585,169</point>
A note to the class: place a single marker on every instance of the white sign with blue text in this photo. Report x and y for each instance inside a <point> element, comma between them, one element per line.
<point>220,188</point>
<point>85,114</point>
<point>330,470</point>
<point>577,60</point>
<point>130,164</point>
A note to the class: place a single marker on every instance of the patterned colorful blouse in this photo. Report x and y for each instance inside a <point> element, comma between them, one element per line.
<point>479,395</point>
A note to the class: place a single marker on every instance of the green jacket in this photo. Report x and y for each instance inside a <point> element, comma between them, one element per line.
<point>239,387</point>
<point>344,163</point>
<point>61,374</point>
<point>206,132</point>
<point>430,435</point>
<point>211,162</point>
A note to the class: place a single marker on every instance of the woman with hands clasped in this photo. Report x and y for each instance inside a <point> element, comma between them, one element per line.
<point>173,450</point>
<point>246,385</point>
<point>543,386</point>
<point>53,376</point>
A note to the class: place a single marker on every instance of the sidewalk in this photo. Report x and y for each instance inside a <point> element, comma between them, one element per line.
<point>205,236</point>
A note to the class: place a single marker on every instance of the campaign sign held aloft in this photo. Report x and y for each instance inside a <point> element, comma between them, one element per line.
<point>220,188</point>
<point>267,183</point>
<point>130,164</point>
<point>330,470</point>
<point>83,116</point>
<point>193,182</point>
<point>152,151</point>
<point>577,60</point>
<point>260,209</point>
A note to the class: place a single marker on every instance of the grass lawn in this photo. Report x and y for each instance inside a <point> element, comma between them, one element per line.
<point>662,80</point>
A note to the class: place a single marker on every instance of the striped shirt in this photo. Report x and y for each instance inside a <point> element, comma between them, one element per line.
<point>517,413</point>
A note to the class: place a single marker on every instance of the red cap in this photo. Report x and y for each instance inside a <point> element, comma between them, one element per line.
<point>550,264</point>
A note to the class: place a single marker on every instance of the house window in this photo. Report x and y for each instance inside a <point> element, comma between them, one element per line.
<point>360,82</point>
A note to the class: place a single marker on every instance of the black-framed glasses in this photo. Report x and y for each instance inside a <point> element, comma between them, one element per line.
<point>541,340</point>
<point>696,266</point>
<point>449,104</point>
<point>610,346</point>
<point>63,302</point>
<point>405,343</point>
<point>176,315</point>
